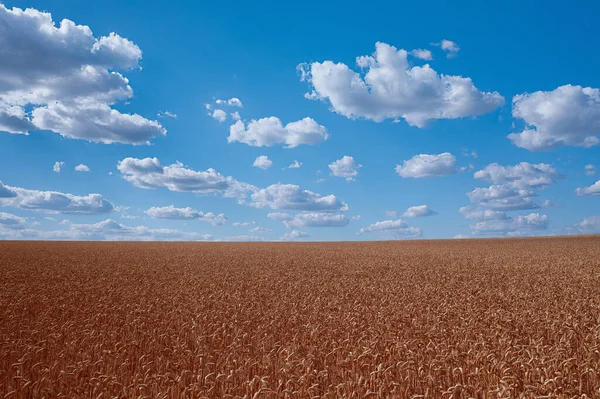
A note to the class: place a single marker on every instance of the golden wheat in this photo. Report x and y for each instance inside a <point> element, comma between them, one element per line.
<point>428,319</point>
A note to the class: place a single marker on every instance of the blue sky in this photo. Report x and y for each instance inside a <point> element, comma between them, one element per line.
<point>316,83</point>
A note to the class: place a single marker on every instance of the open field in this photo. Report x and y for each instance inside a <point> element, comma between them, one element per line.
<point>459,318</point>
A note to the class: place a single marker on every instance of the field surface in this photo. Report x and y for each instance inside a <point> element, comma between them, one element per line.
<point>437,319</point>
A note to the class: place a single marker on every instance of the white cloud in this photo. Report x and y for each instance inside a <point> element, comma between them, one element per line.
<point>391,89</point>
<point>128,217</point>
<point>425,165</point>
<point>57,166</point>
<point>460,236</point>
<point>408,233</point>
<point>590,170</point>
<point>235,116</point>
<point>270,131</point>
<point>451,48</point>
<point>422,54</point>
<point>263,162</point>
<point>589,225</point>
<point>504,198</point>
<point>345,167</point>
<point>96,122</point>
<point>53,201</point>
<point>107,230</point>
<point>259,230</point>
<point>521,176</point>
<point>513,226</point>
<point>82,168</point>
<point>391,214</point>
<point>232,102</point>
<point>594,189</point>
<point>243,238</point>
<point>294,235</point>
<point>243,224</point>
<point>187,213</point>
<point>219,115</point>
<point>166,114</point>
<point>481,215</point>
<point>69,79</point>
<point>311,219</point>
<point>149,173</point>
<point>567,116</point>
<point>6,192</point>
<point>394,229</point>
<point>295,165</point>
<point>384,225</point>
<point>10,221</point>
<point>280,216</point>
<point>418,211</point>
<point>291,197</point>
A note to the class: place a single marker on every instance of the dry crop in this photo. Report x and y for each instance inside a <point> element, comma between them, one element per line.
<point>423,319</point>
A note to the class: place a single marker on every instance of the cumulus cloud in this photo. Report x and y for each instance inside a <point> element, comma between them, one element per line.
<point>219,115</point>
<point>243,224</point>
<point>270,131</point>
<point>294,235</point>
<point>418,211</point>
<point>6,192</point>
<point>232,102</point>
<point>408,233</point>
<point>295,165</point>
<point>263,162</point>
<point>421,54</point>
<point>310,219</point>
<point>235,116</point>
<point>166,114</point>
<point>425,165</point>
<point>258,230</point>
<point>392,229</point>
<point>187,213</point>
<point>391,89</point>
<point>53,201</point>
<point>280,216</point>
<point>10,221</point>
<point>57,166</point>
<point>460,236</point>
<point>68,79</point>
<point>520,225</point>
<point>566,116</point>
<point>96,122</point>
<point>243,238</point>
<point>451,48</point>
<point>521,176</point>
<point>594,189</point>
<point>345,167</point>
<point>504,198</point>
<point>482,214</point>
<point>291,197</point>
<point>82,168</point>
<point>590,170</point>
<point>589,225</point>
<point>384,225</point>
<point>148,173</point>
<point>108,230</point>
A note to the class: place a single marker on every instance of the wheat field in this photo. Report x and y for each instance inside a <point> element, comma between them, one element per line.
<point>421,319</point>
